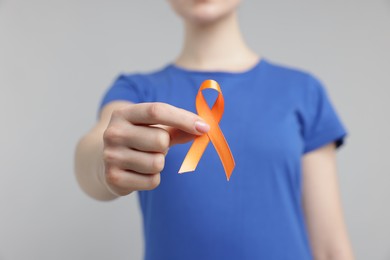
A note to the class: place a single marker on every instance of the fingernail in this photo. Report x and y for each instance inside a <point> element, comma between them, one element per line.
<point>201,126</point>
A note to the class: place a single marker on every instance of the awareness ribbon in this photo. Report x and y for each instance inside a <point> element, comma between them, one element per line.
<point>215,135</point>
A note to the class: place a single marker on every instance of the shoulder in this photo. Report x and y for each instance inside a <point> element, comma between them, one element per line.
<point>293,79</point>
<point>288,73</point>
<point>144,78</point>
<point>134,86</point>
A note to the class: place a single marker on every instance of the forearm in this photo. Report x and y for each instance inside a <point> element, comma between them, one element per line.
<point>89,167</point>
<point>328,231</point>
<point>330,240</point>
<point>337,250</point>
<point>322,206</point>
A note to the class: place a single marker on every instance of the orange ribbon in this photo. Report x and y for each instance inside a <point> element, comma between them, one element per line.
<point>215,135</point>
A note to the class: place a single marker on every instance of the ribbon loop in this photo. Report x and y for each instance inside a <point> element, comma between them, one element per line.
<point>215,135</point>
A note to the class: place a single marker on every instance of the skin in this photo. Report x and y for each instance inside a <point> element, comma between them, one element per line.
<point>125,151</point>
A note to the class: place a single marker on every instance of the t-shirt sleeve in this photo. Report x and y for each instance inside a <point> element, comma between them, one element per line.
<point>322,123</point>
<point>123,88</point>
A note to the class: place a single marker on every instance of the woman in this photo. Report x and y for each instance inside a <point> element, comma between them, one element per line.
<point>282,201</point>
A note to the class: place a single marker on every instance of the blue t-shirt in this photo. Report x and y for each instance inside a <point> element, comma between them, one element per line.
<point>273,115</point>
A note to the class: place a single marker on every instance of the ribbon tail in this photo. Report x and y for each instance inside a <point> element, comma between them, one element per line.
<point>194,154</point>
<point>223,150</point>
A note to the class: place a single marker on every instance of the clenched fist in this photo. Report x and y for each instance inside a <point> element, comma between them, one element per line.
<point>138,138</point>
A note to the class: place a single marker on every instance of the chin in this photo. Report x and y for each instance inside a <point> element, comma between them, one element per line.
<point>204,11</point>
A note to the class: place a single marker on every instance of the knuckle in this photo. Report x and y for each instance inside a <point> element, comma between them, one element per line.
<point>158,163</point>
<point>154,110</point>
<point>109,156</point>
<point>117,113</point>
<point>112,177</point>
<point>113,134</point>
<point>162,141</point>
<point>110,133</point>
<point>153,181</point>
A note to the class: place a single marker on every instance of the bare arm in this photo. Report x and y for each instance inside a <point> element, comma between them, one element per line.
<point>322,206</point>
<point>126,149</point>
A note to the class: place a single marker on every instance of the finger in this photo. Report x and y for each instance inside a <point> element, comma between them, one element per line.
<point>147,138</point>
<point>177,136</point>
<point>126,181</point>
<point>133,160</point>
<point>154,138</point>
<point>165,114</point>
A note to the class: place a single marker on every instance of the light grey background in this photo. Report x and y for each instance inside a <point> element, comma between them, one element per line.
<point>58,57</point>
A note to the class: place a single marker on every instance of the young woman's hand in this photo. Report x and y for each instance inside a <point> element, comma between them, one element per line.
<point>137,139</point>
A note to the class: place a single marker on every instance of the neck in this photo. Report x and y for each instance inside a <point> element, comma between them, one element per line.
<point>216,46</point>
